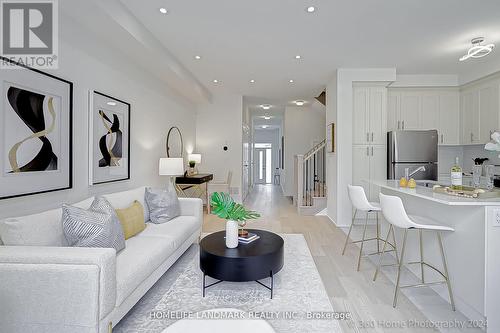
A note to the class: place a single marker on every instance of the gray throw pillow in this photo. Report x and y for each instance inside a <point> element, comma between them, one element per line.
<point>163,204</point>
<point>96,227</point>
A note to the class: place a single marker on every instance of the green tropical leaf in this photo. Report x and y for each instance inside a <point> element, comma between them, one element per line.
<point>224,207</point>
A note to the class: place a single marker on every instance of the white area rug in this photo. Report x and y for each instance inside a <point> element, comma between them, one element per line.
<point>299,293</point>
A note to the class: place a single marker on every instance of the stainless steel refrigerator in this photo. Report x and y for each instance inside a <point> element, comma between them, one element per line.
<point>412,149</point>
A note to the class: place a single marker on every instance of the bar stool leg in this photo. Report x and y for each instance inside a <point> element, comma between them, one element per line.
<point>381,254</point>
<point>362,242</point>
<point>399,269</point>
<point>395,247</point>
<point>378,234</point>
<point>445,268</point>
<point>349,233</point>
<point>421,255</point>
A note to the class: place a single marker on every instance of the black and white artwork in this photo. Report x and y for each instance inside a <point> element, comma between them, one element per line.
<point>110,139</point>
<point>35,141</point>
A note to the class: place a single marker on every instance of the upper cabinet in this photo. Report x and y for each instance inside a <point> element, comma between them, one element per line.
<point>480,111</point>
<point>369,115</point>
<point>423,109</point>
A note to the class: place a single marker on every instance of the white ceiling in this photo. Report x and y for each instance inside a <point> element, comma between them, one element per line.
<point>258,39</point>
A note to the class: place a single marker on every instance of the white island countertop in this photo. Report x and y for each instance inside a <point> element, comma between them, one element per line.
<point>428,194</point>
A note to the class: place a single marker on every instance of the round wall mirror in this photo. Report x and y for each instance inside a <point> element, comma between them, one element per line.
<point>175,146</point>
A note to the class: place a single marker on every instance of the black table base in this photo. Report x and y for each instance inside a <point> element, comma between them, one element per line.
<point>271,288</point>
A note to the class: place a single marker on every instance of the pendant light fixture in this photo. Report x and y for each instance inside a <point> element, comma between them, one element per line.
<point>477,50</point>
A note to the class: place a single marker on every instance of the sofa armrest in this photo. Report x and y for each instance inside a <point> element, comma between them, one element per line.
<point>191,207</point>
<point>56,287</point>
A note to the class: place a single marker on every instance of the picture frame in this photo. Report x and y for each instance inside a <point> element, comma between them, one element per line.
<point>36,135</point>
<point>109,139</point>
<point>330,138</point>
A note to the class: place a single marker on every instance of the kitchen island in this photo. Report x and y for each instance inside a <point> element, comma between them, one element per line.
<point>472,250</point>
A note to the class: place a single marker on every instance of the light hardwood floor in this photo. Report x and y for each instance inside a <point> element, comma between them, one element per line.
<point>370,303</point>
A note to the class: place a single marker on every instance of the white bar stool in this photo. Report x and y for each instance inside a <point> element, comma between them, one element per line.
<point>394,212</point>
<point>360,203</point>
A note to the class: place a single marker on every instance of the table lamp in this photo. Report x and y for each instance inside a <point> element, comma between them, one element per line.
<point>170,166</point>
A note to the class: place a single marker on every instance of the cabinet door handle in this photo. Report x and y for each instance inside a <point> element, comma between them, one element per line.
<point>367,151</point>
<point>367,137</point>
<point>472,137</point>
<point>441,138</point>
<point>372,136</point>
<point>403,124</point>
<point>372,150</point>
<point>399,123</point>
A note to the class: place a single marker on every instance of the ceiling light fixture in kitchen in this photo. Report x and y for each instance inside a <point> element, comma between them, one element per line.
<point>299,103</point>
<point>163,10</point>
<point>477,50</point>
<point>311,9</point>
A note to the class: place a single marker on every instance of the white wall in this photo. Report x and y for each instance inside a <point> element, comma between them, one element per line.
<point>303,127</point>
<point>340,164</point>
<point>153,111</point>
<point>218,124</point>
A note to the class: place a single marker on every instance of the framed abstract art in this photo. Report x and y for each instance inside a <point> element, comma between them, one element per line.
<point>36,132</point>
<point>109,134</point>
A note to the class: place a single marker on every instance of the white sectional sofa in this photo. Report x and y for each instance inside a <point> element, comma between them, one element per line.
<point>46,286</point>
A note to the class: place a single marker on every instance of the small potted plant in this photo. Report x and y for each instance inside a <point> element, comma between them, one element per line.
<point>192,170</point>
<point>234,213</point>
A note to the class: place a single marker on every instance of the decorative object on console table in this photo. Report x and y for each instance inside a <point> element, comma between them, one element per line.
<point>330,138</point>
<point>236,215</point>
<point>109,144</point>
<point>193,160</point>
<point>36,132</point>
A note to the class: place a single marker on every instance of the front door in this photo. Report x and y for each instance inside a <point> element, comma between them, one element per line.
<point>262,166</point>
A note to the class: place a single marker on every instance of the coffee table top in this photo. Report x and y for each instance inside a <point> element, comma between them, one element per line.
<point>268,243</point>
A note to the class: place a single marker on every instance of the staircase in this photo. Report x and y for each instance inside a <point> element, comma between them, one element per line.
<point>310,180</point>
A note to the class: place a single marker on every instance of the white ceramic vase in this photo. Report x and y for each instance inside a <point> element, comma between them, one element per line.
<point>231,234</point>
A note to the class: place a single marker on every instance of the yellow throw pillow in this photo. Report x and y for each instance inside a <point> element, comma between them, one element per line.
<point>132,219</point>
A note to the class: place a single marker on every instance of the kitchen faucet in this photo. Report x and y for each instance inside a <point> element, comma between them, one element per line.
<point>420,168</point>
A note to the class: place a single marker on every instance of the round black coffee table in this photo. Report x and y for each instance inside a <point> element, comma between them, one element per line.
<point>248,262</point>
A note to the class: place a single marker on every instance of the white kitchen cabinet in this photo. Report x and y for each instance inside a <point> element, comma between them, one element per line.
<point>369,164</point>
<point>369,115</point>
<point>425,109</point>
<point>378,168</point>
<point>470,117</point>
<point>360,166</point>
<point>410,110</point>
<point>488,112</point>
<point>449,118</point>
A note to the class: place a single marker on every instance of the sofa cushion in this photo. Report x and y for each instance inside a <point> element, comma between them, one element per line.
<point>163,204</point>
<point>132,219</point>
<point>140,258</point>
<point>42,229</point>
<point>120,200</point>
<point>179,229</point>
<point>96,227</point>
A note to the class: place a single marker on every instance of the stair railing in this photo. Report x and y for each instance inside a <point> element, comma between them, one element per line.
<point>310,175</point>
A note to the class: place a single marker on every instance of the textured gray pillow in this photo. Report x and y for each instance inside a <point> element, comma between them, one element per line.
<point>96,227</point>
<point>163,204</point>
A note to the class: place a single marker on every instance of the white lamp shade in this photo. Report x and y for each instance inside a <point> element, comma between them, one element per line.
<point>195,157</point>
<point>171,166</point>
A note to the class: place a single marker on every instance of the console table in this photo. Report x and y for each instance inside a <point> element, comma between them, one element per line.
<point>198,183</point>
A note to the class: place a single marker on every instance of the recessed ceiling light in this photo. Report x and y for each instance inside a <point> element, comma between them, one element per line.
<point>297,57</point>
<point>215,81</point>
<point>265,106</point>
<point>252,81</point>
<point>267,117</point>
<point>197,57</point>
<point>311,9</point>
<point>111,103</point>
<point>264,126</point>
<point>477,50</point>
<point>291,81</point>
<point>299,103</point>
<point>163,10</point>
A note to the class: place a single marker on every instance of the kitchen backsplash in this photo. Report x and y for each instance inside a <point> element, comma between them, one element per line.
<point>466,154</point>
